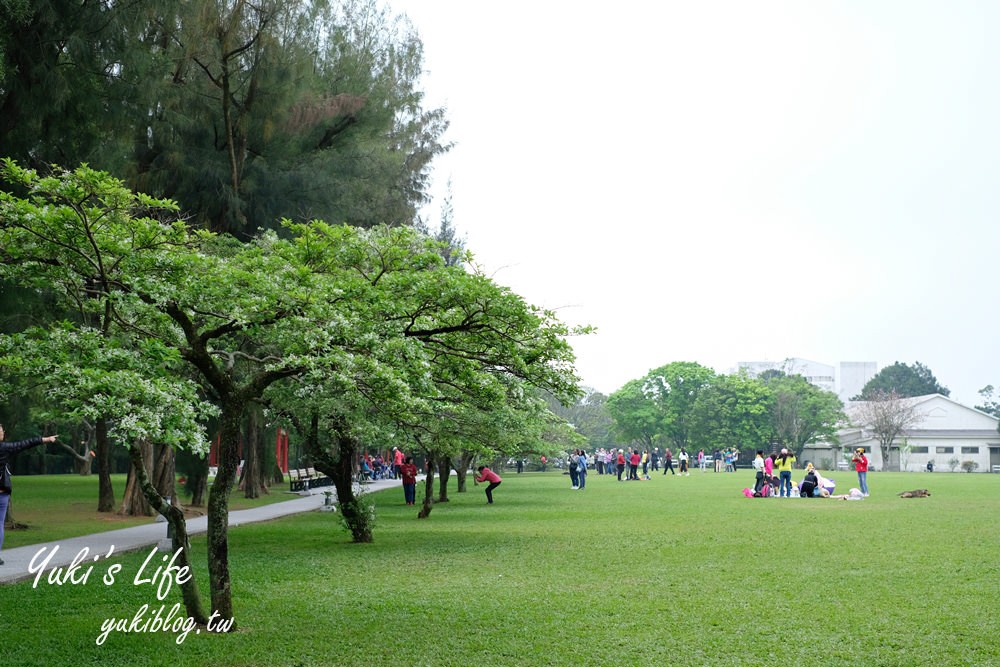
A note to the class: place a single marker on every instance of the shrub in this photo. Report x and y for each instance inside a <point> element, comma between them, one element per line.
<point>969,466</point>
<point>953,463</point>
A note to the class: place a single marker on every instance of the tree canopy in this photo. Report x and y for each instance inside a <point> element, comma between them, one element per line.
<point>904,380</point>
<point>802,413</point>
<point>371,329</point>
<point>684,404</point>
<point>242,112</point>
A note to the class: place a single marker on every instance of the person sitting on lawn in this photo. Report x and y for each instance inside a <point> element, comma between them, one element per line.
<point>814,485</point>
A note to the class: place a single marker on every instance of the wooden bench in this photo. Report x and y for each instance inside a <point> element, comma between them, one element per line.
<point>303,479</point>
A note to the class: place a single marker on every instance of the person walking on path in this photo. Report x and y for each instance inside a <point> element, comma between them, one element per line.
<point>487,475</point>
<point>860,462</point>
<point>408,473</point>
<point>7,450</point>
<point>785,461</point>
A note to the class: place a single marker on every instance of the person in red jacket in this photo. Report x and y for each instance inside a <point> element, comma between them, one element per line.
<point>861,466</point>
<point>408,471</point>
<point>487,475</point>
<point>397,462</point>
<point>7,450</point>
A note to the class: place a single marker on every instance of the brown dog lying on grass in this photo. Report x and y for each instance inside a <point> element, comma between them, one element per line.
<point>916,493</point>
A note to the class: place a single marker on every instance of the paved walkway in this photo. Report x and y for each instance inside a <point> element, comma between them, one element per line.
<point>16,561</point>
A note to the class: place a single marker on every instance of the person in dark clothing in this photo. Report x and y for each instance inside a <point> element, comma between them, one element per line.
<point>809,485</point>
<point>7,450</point>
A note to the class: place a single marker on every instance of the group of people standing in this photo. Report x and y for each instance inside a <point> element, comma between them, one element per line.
<point>628,463</point>
<point>764,469</point>
<point>813,484</point>
<point>725,459</point>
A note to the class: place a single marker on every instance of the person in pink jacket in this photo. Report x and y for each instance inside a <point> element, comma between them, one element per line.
<point>487,475</point>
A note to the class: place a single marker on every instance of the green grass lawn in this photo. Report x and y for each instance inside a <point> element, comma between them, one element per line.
<point>55,507</point>
<point>673,571</point>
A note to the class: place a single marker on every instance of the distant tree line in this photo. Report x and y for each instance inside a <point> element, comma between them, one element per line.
<point>687,405</point>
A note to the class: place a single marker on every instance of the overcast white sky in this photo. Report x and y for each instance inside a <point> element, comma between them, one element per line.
<point>723,181</point>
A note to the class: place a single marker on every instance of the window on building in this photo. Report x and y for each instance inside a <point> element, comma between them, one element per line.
<point>945,450</point>
<point>970,450</point>
<point>919,450</point>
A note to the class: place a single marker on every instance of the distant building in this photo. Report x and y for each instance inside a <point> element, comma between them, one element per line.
<point>854,375</point>
<point>846,384</point>
<point>947,434</point>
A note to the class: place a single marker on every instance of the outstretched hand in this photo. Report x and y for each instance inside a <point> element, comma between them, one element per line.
<point>50,438</point>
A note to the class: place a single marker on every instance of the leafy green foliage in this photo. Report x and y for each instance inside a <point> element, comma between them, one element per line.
<point>688,405</point>
<point>905,380</point>
<point>373,326</point>
<point>802,413</point>
<point>660,403</point>
<point>734,411</point>
<point>589,417</point>
<point>245,112</point>
<point>88,377</point>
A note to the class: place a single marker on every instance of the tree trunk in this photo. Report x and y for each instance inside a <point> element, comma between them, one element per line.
<point>199,486</point>
<point>462,471</point>
<point>106,493</point>
<point>180,541</point>
<point>444,467</point>
<point>134,502</point>
<point>218,510</point>
<point>425,509</point>
<point>340,468</point>
<point>194,469</point>
<point>9,522</point>
<point>253,477</point>
<point>165,473</point>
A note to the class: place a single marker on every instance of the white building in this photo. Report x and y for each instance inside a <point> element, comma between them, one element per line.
<point>847,384</point>
<point>946,433</point>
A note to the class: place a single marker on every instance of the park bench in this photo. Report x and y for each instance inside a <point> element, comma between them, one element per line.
<point>303,479</point>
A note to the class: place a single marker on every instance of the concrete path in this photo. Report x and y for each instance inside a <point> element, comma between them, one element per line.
<point>17,561</point>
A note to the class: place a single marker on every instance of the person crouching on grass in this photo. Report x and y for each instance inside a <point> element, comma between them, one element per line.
<point>7,450</point>
<point>487,475</point>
